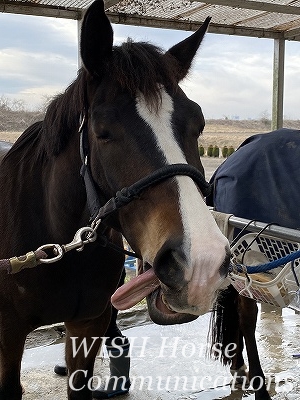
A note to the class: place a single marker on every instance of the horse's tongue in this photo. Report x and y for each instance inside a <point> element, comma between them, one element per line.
<point>135,290</point>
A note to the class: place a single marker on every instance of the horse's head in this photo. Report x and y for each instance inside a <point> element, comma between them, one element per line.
<point>139,120</point>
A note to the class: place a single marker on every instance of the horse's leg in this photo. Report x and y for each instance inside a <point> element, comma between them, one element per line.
<point>81,366</point>
<point>12,340</point>
<point>238,367</point>
<point>248,317</point>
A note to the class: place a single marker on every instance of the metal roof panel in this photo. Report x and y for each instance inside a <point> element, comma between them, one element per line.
<point>267,18</point>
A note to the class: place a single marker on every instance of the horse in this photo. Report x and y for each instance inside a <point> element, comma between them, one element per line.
<point>259,182</point>
<point>116,154</point>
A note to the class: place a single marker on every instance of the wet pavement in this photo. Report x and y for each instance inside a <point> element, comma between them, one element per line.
<point>170,363</point>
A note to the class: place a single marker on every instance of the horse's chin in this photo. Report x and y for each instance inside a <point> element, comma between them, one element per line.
<point>161,314</point>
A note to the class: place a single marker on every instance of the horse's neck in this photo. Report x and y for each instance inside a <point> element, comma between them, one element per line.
<point>65,198</point>
<point>41,200</point>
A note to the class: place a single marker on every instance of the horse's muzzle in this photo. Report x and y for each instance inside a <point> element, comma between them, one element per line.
<point>180,298</point>
<point>167,290</point>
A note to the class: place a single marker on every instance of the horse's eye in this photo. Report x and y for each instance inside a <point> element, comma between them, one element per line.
<point>104,135</point>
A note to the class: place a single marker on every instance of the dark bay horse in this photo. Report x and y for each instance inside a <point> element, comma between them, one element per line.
<point>126,120</point>
<point>260,181</point>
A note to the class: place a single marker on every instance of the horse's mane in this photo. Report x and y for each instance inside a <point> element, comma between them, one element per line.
<point>62,116</point>
<point>135,66</point>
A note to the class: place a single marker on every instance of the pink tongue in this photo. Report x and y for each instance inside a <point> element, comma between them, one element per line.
<point>135,290</point>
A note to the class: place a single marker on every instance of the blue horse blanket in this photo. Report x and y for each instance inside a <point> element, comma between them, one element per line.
<point>261,180</point>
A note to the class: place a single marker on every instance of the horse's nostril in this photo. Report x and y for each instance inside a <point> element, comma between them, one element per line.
<point>169,264</point>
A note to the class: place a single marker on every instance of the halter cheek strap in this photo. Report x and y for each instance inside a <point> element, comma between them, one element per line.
<point>93,201</point>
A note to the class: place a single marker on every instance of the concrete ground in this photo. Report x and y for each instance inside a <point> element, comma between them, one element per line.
<point>169,363</point>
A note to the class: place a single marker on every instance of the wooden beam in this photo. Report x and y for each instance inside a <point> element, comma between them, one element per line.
<point>257,5</point>
<point>40,10</point>
<point>154,22</point>
<point>110,3</point>
<point>292,34</point>
<point>79,26</point>
<point>278,84</point>
<point>244,31</point>
<point>31,8</point>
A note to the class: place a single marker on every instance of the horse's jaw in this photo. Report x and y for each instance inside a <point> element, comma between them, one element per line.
<point>162,314</point>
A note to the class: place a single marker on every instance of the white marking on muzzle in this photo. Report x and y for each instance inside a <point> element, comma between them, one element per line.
<point>204,245</point>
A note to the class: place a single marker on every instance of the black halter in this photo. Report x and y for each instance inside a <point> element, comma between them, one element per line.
<point>127,194</point>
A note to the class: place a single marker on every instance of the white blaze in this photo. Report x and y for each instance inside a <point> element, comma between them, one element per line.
<point>202,237</point>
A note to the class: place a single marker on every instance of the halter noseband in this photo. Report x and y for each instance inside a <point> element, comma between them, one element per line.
<point>127,194</point>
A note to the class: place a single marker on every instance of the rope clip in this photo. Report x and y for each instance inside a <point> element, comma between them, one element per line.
<point>81,238</point>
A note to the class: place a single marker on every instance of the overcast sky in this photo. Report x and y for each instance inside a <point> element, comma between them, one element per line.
<point>232,76</point>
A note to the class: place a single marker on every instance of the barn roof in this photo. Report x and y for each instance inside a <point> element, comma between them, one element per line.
<point>277,19</point>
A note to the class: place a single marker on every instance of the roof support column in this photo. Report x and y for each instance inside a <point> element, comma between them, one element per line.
<point>79,24</point>
<point>278,84</point>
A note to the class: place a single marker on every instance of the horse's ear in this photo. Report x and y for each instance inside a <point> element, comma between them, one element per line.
<point>96,39</point>
<point>185,51</point>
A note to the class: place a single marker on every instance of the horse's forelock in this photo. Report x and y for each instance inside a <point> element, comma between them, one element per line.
<point>140,67</point>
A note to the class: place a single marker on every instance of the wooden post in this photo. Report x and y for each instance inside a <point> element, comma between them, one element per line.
<point>79,23</point>
<point>278,84</point>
